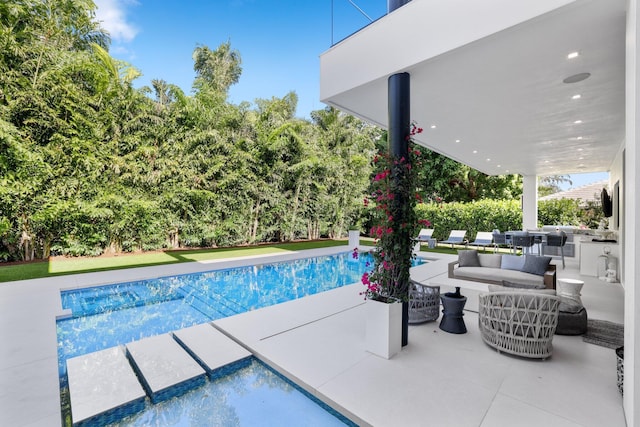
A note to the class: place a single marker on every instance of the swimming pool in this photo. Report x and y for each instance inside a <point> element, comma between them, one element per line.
<point>111,315</point>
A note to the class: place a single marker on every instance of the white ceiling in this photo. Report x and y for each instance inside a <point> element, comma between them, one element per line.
<point>504,99</point>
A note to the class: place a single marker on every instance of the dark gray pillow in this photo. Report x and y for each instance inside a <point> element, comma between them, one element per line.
<point>567,305</point>
<point>508,284</point>
<point>468,258</point>
<point>536,264</point>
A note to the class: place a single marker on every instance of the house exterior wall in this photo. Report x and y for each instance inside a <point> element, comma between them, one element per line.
<point>630,229</point>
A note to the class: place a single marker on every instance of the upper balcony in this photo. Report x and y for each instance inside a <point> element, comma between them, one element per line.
<point>488,80</point>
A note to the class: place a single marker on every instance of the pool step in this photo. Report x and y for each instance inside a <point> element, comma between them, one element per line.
<point>103,387</point>
<point>164,367</point>
<point>210,304</point>
<point>215,352</point>
<point>110,384</point>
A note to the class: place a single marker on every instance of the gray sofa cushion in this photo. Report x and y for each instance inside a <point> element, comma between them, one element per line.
<point>536,264</point>
<point>497,275</point>
<point>499,288</point>
<point>468,258</point>
<point>512,262</point>
<point>508,284</point>
<point>490,260</point>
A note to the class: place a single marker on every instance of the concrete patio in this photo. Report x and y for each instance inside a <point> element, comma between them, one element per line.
<point>439,379</point>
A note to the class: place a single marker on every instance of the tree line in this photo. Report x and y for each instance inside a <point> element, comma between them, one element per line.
<point>91,165</point>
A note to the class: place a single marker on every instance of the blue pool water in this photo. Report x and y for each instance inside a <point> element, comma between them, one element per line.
<point>251,396</point>
<point>111,315</point>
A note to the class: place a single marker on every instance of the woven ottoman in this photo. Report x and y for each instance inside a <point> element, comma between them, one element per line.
<point>572,318</point>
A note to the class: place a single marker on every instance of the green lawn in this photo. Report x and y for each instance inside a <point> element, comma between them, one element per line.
<point>62,266</point>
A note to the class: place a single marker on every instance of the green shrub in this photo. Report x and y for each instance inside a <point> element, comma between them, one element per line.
<point>482,215</point>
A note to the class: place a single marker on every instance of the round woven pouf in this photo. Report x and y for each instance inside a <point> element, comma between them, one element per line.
<point>570,288</point>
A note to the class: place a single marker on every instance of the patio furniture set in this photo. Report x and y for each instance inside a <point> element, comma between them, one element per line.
<point>525,240</point>
<point>524,308</point>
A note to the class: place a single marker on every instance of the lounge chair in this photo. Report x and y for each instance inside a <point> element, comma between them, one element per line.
<point>483,238</point>
<point>518,323</point>
<point>424,236</point>
<point>456,237</point>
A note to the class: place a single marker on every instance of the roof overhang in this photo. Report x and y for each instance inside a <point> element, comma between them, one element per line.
<point>489,76</point>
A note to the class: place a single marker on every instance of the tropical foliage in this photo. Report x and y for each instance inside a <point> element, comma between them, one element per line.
<point>89,164</point>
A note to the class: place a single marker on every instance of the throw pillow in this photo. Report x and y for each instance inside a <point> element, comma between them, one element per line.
<point>490,260</point>
<point>536,264</point>
<point>512,262</point>
<point>508,284</point>
<point>468,258</point>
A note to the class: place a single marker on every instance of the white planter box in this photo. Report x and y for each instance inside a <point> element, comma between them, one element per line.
<point>383,328</point>
<point>354,239</point>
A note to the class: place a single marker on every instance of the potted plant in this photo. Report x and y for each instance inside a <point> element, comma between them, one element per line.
<point>396,223</point>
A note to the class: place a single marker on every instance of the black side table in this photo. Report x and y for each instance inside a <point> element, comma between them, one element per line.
<point>452,306</point>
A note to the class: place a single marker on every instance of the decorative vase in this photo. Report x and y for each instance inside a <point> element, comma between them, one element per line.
<point>383,328</point>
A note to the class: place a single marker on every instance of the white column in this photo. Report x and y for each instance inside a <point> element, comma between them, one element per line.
<point>529,202</point>
<point>630,225</point>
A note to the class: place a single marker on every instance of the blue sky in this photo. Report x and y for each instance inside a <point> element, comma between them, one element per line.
<point>279,41</point>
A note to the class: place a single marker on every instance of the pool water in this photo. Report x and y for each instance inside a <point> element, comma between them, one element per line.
<point>107,316</point>
<point>251,396</point>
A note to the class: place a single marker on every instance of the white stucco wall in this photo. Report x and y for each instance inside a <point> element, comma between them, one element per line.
<point>630,225</point>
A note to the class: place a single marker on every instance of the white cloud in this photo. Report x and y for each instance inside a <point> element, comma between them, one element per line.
<point>112,17</point>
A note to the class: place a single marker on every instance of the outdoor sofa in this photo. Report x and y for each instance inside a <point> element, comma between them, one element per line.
<point>499,268</point>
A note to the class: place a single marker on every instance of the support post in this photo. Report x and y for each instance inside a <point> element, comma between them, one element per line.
<point>399,122</point>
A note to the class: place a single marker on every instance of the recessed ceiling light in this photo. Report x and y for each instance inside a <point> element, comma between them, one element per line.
<point>577,122</point>
<point>499,166</point>
<point>577,78</point>
<point>580,158</point>
<point>579,138</point>
<point>507,171</point>
<point>576,96</point>
<point>546,161</point>
<point>433,126</point>
<point>488,160</point>
<point>580,149</point>
<point>475,151</point>
<point>573,55</point>
<point>457,140</point>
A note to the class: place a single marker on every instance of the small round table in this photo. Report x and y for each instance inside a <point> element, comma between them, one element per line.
<point>452,306</point>
<point>570,288</point>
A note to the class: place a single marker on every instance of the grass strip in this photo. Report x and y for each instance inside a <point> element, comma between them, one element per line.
<point>60,266</point>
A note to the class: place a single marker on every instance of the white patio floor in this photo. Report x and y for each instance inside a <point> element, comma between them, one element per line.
<point>439,379</point>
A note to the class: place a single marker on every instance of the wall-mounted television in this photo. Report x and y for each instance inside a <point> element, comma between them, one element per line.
<point>607,204</point>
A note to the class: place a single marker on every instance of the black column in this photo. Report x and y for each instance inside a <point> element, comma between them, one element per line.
<point>394,4</point>
<point>399,122</point>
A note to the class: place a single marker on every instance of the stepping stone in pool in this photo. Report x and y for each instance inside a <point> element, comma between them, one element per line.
<point>165,368</point>
<point>103,387</point>
<point>216,352</point>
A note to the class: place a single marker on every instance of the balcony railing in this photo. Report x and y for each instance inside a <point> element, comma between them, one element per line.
<point>350,16</point>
